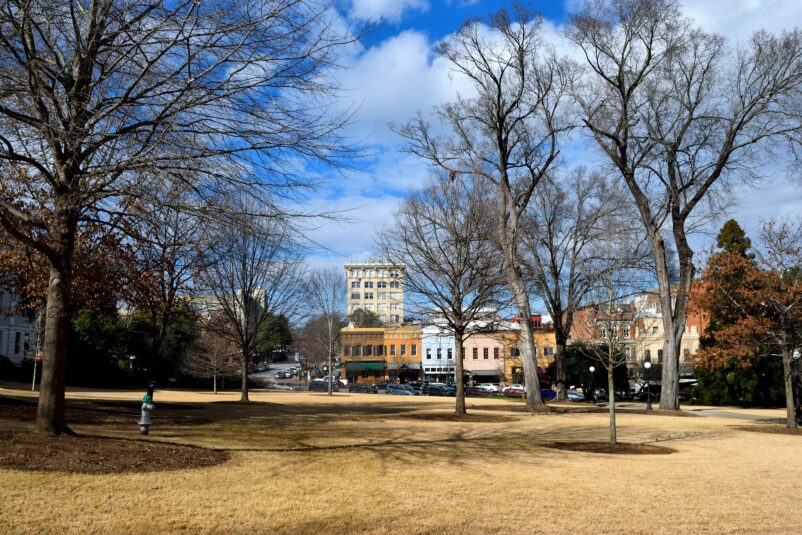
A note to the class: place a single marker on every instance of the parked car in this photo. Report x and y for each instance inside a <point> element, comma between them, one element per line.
<point>282,386</point>
<point>420,387</point>
<point>322,385</point>
<point>399,390</point>
<point>437,390</point>
<point>490,387</point>
<point>515,392</point>
<point>515,386</point>
<point>282,374</point>
<point>477,391</point>
<point>362,388</point>
<point>574,395</point>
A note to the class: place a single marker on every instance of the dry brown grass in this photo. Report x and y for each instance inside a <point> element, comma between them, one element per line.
<point>307,463</point>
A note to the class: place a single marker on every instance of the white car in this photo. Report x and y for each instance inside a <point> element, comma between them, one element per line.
<point>516,386</point>
<point>490,387</point>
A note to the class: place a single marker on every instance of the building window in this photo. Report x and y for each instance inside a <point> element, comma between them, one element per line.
<point>368,351</point>
<point>395,284</point>
<point>354,272</point>
<point>686,353</point>
<point>548,351</point>
<point>439,353</point>
<point>369,307</point>
<point>654,329</point>
<point>382,295</point>
<point>354,296</point>
<point>395,306</point>
<point>394,296</point>
<point>368,295</point>
<point>450,353</point>
<point>368,284</point>
<point>414,350</point>
<point>475,352</point>
<point>357,351</point>
<point>659,356</point>
<point>485,353</point>
<point>381,284</point>
<point>495,353</point>
<point>17,343</point>
<point>381,306</point>
<point>347,351</point>
<point>403,350</point>
<point>647,355</point>
<point>379,351</point>
<point>428,353</point>
<point>396,318</point>
<point>514,352</point>
<point>355,284</point>
<point>392,350</point>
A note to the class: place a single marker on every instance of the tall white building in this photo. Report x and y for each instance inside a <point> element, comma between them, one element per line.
<point>376,286</point>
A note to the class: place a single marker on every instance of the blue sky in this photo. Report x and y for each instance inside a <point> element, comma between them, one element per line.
<point>394,73</point>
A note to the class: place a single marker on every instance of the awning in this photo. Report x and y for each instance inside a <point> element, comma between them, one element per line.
<point>358,366</point>
<point>486,373</point>
<point>403,366</point>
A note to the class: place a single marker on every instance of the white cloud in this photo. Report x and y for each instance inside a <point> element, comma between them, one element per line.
<point>384,10</point>
<point>739,19</point>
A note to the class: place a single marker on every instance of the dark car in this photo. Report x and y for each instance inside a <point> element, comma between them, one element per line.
<point>437,390</point>
<point>515,392</point>
<point>362,388</point>
<point>380,387</point>
<point>420,387</point>
<point>399,390</point>
<point>477,391</point>
<point>319,385</point>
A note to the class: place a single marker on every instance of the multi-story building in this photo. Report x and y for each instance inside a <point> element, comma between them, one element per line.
<point>485,353</point>
<point>376,286</point>
<point>372,355</point>
<point>438,350</point>
<point>17,331</point>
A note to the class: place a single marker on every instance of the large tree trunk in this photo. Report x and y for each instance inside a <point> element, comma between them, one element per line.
<point>611,400</point>
<point>790,409</point>
<point>526,342</point>
<point>672,311</point>
<point>244,396</point>
<point>460,408</point>
<point>50,412</point>
<point>560,368</point>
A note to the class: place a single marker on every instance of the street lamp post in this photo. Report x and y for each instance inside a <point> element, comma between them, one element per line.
<point>592,370</point>
<point>647,365</point>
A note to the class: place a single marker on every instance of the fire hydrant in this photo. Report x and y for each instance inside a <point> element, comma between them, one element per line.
<point>144,419</point>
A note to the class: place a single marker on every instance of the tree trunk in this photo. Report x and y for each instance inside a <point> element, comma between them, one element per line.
<point>50,412</point>
<point>611,400</point>
<point>526,342</point>
<point>331,375</point>
<point>560,368</point>
<point>790,409</point>
<point>244,396</point>
<point>214,382</point>
<point>460,408</point>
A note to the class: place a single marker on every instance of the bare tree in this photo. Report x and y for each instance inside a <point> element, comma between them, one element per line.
<point>507,134</point>
<point>441,234</point>
<point>253,273</point>
<point>612,318</point>
<point>328,295</point>
<point>211,355</point>
<point>680,116</point>
<point>563,225</point>
<point>105,100</point>
<point>167,246</point>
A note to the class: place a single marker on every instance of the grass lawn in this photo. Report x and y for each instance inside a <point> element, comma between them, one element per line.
<point>308,463</point>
